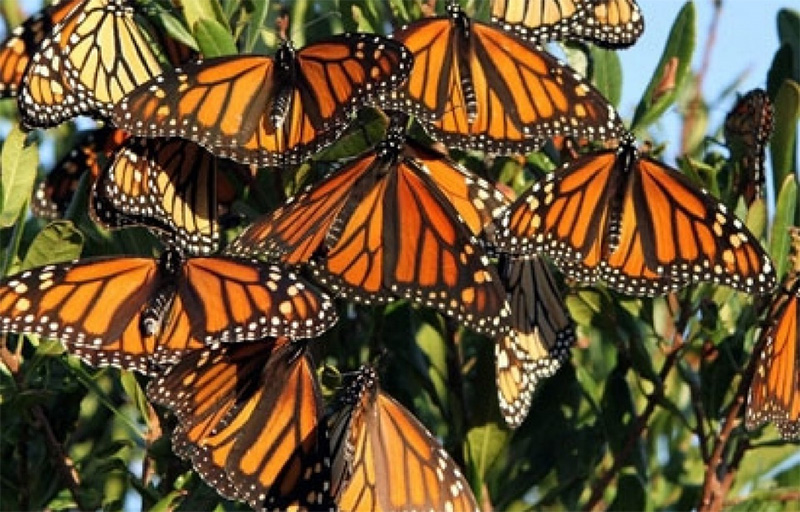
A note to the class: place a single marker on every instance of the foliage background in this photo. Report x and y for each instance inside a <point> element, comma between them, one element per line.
<point>646,415</point>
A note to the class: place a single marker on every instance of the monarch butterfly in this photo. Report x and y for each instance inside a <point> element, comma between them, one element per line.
<point>132,312</point>
<point>637,224</point>
<point>250,421</point>
<point>53,196</point>
<point>95,55</point>
<point>396,222</point>
<point>748,128</point>
<point>775,391</point>
<point>541,335</point>
<point>16,51</point>
<point>384,459</point>
<point>169,185</point>
<point>263,110</point>
<point>608,23</point>
<point>483,88</point>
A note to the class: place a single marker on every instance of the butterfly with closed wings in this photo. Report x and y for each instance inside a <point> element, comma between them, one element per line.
<point>540,338</point>
<point>383,458</point>
<point>250,421</point>
<point>748,128</point>
<point>172,186</point>
<point>95,55</point>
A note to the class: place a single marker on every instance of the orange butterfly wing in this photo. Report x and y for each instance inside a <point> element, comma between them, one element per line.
<point>245,108</point>
<point>249,420</point>
<point>775,391</point>
<point>636,224</point>
<point>297,230</point>
<point>227,299</point>
<point>385,459</point>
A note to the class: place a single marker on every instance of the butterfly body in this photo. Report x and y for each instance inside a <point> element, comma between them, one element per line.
<point>160,303</point>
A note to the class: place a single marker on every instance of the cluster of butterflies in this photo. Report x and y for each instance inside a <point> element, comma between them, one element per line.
<point>225,334</point>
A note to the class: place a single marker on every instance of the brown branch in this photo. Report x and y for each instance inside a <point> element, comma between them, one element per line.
<point>601,484</point>
<point>694,103</point>
<point>719,476</point>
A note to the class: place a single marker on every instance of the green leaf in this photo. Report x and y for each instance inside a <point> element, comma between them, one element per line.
<point>785,211</point>
<point>783,146</point>
<point>58,242</point>
<point>214,39</point>
<point>18,164</point>
<point>199,10</point>
<point>176,29</point>
<point>257,18</point>
<point>135,393</point>
<point>671,72</point>
<point>630,494</point>
<point>607,75</point>
<point>485,443</point>
<point>789,34</point>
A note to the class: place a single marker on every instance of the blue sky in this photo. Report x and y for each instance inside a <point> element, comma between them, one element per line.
<point>747,38</point>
